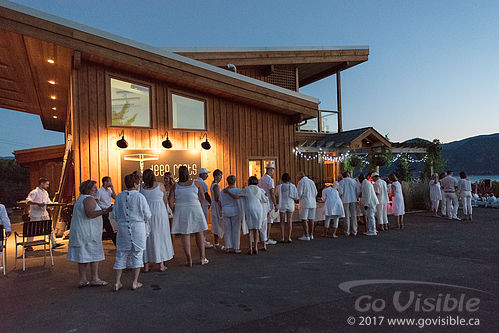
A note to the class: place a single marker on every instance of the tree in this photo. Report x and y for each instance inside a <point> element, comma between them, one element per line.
<point>403,169</point>
<point>434,161</point>
<point>120,119</point>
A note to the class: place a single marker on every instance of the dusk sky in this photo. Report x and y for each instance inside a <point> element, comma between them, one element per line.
<point>432,71</point>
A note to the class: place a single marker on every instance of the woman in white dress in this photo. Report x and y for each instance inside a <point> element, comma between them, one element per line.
<point>188,217</point>
<point>231,216</point>
<point>159,247</point>
<point>398,200</point>
<point>254,213</point>
<point>217,221</point>
<point>333,210</point>
<point>132,213</point>
<point>464,187</point>
<point>286,194</point>
<point>85,237</point>
<point>435,194</point>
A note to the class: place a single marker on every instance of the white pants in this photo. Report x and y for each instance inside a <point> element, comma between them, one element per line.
<point>351,217</point>
<point>232,231</point>
<point>371,221</point>
<point>205,212</point>
<point>452,204</point>
<point>335,218</point>
<point>434,205</point>
<point>381,214</point>
<point>444,204</point>
<point>466,201</point>
<point>129,259</point>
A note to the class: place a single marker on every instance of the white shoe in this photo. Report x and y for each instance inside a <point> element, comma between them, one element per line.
<point>304,238</point>
<point>370,233</point>
<point>311,237</point>
<point>457,218</point>
<point>271,242</point>
<point>208,245</point>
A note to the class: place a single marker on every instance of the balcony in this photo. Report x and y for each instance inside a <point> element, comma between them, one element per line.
<point>325,122</point>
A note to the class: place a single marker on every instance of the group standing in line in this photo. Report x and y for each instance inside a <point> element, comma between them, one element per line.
<point>443,189</point>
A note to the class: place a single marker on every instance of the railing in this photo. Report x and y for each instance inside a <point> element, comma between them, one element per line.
<point>326,122</point>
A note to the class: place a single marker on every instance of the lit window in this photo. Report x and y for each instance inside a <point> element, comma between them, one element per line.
<point>131,105</point>
<point>188,113</point>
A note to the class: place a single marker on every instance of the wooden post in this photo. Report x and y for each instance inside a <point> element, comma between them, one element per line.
<point>338,101</point>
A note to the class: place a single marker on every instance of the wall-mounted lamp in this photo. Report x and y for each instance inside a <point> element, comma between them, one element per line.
<point>122,143</point>
<point>167,143</point>
<point>205,145</point>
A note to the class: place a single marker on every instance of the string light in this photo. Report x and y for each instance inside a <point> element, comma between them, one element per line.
<point>342,157</point>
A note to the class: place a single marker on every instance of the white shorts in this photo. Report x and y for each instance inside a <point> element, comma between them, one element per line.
<point>307,213</point>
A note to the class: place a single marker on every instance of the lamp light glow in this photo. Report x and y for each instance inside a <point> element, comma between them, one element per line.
<point>52,97</point>
<point>52,82</point>
<point>51,61</point>
<point>55,117</point>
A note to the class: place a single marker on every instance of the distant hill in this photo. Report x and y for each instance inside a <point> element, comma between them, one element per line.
<point>478,155</point>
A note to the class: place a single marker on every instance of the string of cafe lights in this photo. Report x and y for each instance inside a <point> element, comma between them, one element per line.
<point>341,158</point>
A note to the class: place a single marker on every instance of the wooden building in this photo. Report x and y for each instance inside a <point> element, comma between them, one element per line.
<point>98,88</point>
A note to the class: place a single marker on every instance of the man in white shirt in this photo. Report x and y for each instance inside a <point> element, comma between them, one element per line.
<point>370,201</point>
<point>350,190</point>
<point>449,185</point>
<point>266,183</point>
<point>203,175</point>
<point>37,201</point>
<point>103,197</point>
<point>307,196</point>
<point>381,190</point>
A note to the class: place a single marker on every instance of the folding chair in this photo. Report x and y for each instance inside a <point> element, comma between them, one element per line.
<point>35,229</point>
<point>3,249</point>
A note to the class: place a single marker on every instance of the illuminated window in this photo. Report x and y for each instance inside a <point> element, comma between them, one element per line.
<point>131,104</point>
<point>257,167</point>
<point>188,113</point>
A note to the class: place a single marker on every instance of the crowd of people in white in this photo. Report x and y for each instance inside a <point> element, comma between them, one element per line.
<point>149,212</point>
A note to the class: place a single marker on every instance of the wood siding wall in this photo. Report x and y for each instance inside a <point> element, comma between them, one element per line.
<point>283,76</point>
<point>236,131</point>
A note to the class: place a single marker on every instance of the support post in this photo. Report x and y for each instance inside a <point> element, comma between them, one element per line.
<point>338,101</point>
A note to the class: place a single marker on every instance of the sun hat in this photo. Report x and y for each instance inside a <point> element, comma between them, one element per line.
<point>203,170</point>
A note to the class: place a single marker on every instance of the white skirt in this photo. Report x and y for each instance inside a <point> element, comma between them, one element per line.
<point>188,219</point>
<point>90,252</point>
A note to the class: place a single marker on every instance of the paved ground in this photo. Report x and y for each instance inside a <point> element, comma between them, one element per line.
<point>291,288</point>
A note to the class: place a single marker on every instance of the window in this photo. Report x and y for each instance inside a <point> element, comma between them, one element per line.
<point>188,113</point>
<point>329,122</point>
<point>130,104</point>
<point>257,167</point>
<point>310,126</point>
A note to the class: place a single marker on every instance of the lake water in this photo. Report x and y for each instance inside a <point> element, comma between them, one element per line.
<point>475,178</point>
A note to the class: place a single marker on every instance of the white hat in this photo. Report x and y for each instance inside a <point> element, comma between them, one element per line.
<point>375,174</point>
<point>203,170</point>
<point>271,165</point>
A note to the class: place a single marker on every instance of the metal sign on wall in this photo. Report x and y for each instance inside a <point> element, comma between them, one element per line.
<point>159,161</point>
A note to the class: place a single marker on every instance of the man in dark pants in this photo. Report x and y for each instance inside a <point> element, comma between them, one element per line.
<point>104,195</point>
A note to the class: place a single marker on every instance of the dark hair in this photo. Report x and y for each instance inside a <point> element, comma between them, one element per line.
<point>346,174</point>
<point>86,186</point>
<point>105,179</point>
<point>285,177</point>
<point>449,172</point>
<point>231,180</point>
<point>42,180</point>
<point>183,174</point>
<point>253,180</point>
<point>442,175</point>
<point>148,178</point>
<point>361,177</point>
<point>131,180</point>
<point>462,174</point>
<point>217,173</point>
<point>392,177</point>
